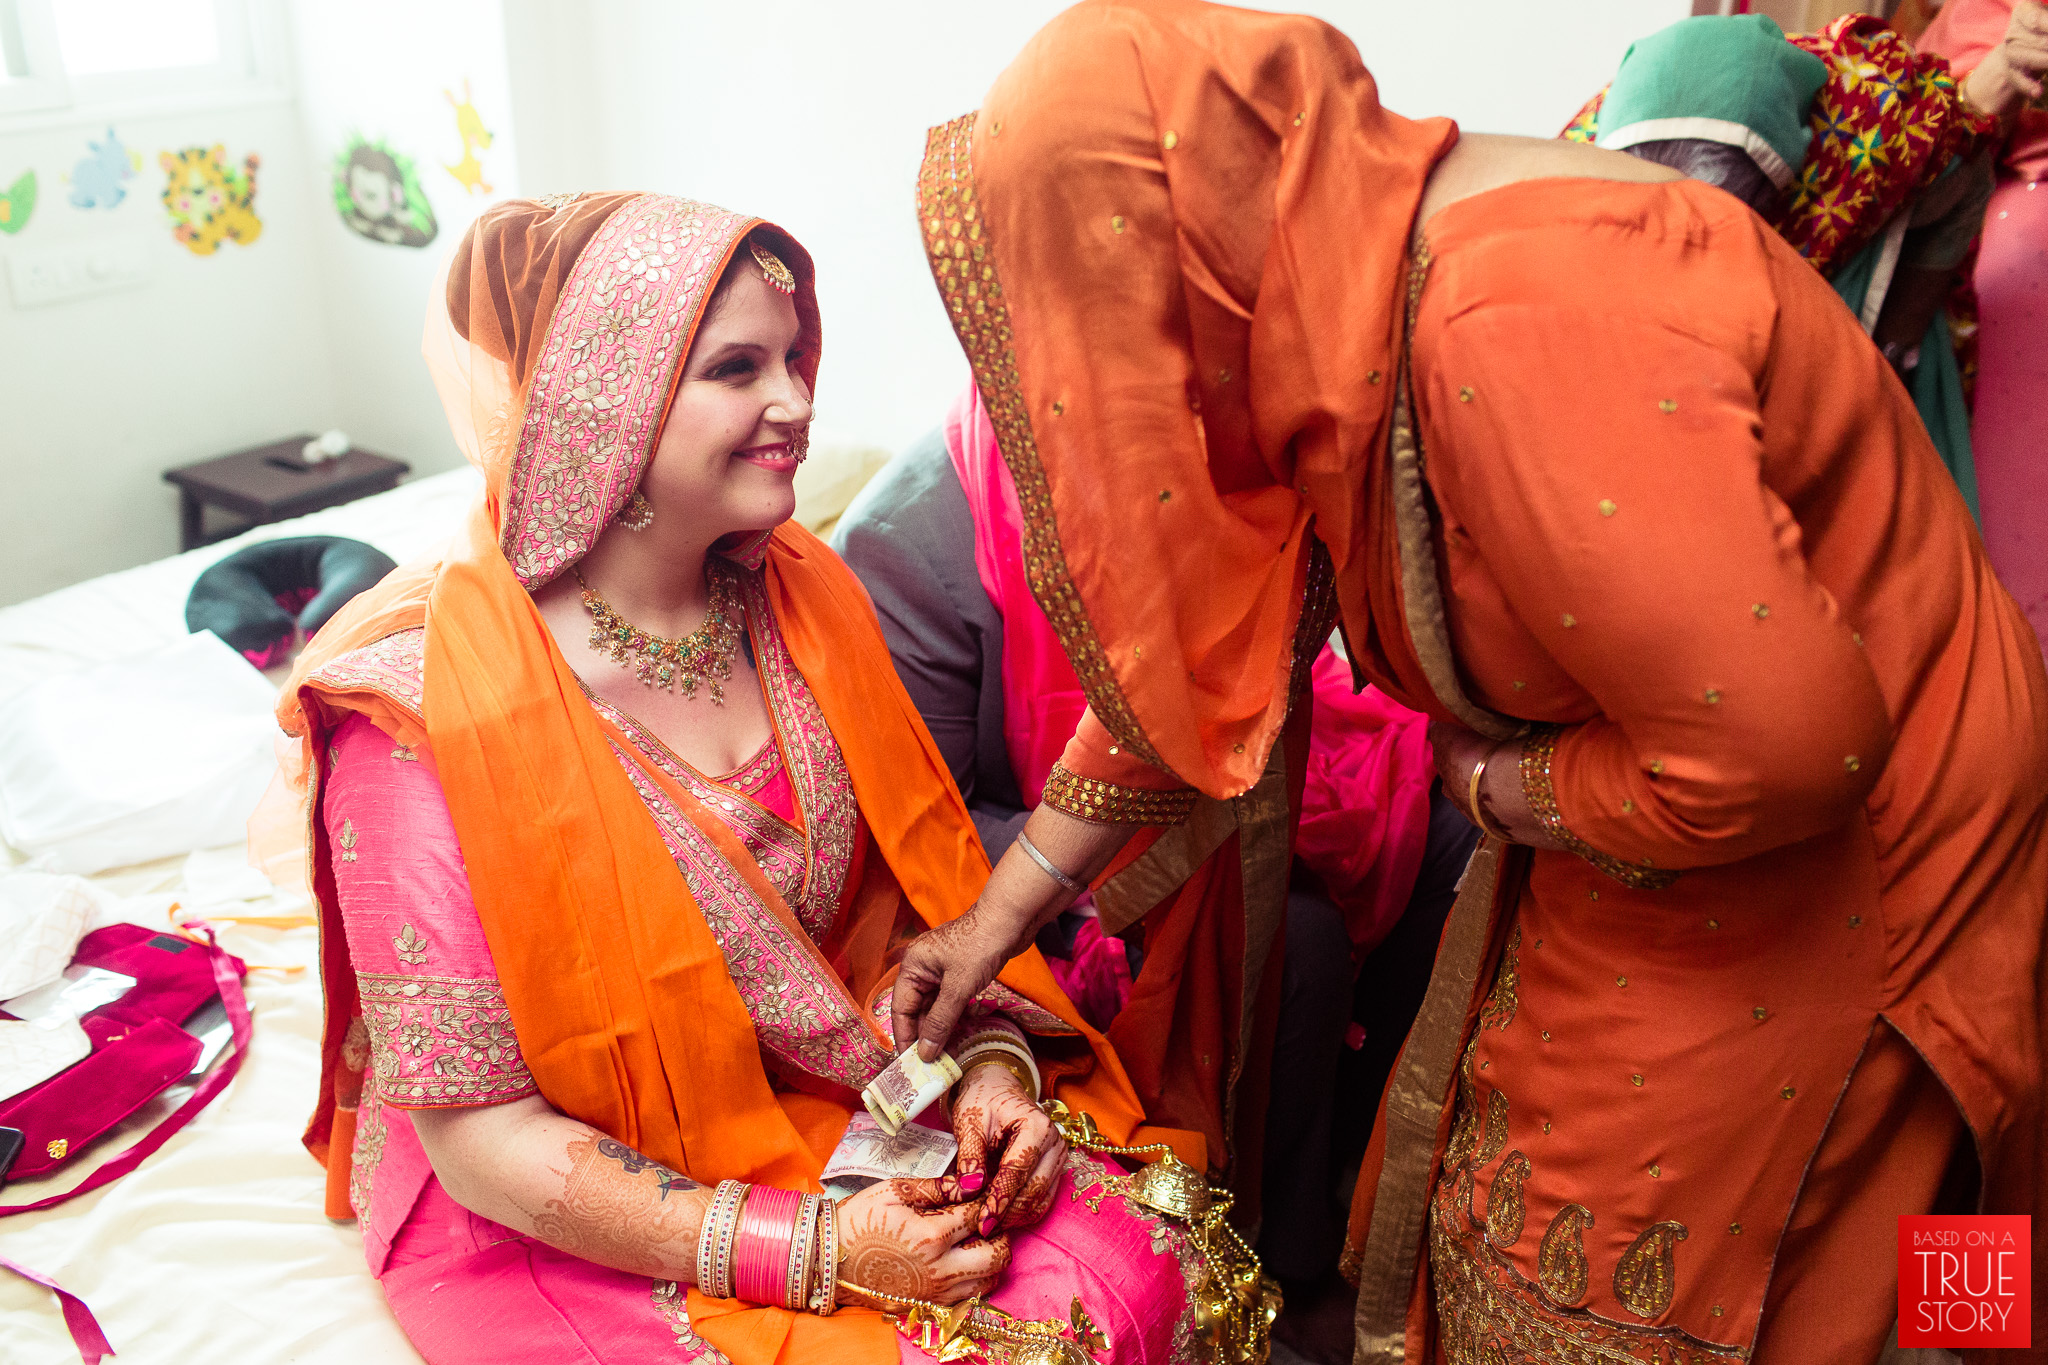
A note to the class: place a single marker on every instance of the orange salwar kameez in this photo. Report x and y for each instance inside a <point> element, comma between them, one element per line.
<point>1636,488</point>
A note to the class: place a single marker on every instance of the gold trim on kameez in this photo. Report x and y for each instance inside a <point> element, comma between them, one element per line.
<point>1537,753</point>
<point>1107,803</point>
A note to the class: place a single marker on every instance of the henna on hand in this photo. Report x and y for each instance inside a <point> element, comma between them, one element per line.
<point>616,1209</point>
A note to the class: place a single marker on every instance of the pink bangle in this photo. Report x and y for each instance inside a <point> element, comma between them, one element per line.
<point>761,1253</point>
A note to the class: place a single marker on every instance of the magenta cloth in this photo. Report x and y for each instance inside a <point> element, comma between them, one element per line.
<point>2012,378</point>
<point>1365,805</point>
<point>1096,976</point>
<point>85,1328</point>
<point>2012,339</point>
<point>1042,697</point>
<point>1365,811</point>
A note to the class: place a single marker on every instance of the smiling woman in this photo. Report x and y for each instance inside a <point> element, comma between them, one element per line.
<point>604,944</point>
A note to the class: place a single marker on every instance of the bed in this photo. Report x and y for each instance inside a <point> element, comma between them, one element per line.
<point>216,1248</point>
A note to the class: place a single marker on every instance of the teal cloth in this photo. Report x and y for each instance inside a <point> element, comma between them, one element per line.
<point>1937,383</point>
<point>1734,68</point>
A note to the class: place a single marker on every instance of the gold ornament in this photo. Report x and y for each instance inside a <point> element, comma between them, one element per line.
<point>772,269</point>
<point>706,653</point>
<point>638,514</point>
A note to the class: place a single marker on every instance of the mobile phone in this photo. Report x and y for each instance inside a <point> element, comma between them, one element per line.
<point>11,1142</point>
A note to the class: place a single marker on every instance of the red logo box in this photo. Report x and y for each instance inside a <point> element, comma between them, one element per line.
<point>1966,1279</point>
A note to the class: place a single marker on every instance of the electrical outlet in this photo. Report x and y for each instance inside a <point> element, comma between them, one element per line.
<point>57,274</point>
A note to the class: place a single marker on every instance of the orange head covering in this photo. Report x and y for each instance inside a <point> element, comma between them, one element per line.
<point>1172,242</point>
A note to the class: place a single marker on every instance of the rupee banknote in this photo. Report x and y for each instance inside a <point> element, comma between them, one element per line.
<point>906,1087</point>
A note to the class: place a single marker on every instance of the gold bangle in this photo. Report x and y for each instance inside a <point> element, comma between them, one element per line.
<point>994,1057</point>
<point>1473,799</point>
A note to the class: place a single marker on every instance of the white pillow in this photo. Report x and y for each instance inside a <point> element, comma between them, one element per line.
<point>155,754</point>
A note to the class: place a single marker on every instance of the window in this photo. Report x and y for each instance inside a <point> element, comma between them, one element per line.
<point>57,54</point>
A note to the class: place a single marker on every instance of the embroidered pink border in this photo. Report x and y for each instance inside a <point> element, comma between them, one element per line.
<point>594,405</point>
<point>395,666</point>
<point>802,1013</point>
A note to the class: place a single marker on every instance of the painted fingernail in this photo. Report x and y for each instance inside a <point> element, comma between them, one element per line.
<point>972,1182</point>
<point>988,1225</point>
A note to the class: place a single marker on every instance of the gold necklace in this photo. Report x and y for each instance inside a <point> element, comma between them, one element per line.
<point>705,654</point>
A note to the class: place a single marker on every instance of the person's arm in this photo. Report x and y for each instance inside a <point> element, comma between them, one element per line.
<point>2012,74</point>
<point>538,1172</point>
<point>1609,479</point>
<point>564,1183</point>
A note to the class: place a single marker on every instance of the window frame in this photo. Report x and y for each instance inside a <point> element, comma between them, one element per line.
<point>245,66</point>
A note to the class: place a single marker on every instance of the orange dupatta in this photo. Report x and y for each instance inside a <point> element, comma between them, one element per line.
<point>626,1013</point>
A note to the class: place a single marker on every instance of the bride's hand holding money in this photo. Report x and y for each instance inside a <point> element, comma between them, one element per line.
<point>995,1117</point>
<point>912,1240</point>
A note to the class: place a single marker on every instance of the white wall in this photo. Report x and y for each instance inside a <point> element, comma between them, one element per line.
<point>810,112</point>
<point>816,118</point>
<point>382,68</point>
<point>98,396</point>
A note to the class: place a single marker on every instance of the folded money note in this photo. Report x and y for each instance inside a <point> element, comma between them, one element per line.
<point>867,1154</point>
<point>906,1087</point>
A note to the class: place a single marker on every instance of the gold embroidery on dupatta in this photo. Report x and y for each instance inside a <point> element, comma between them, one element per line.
<point>394,666</point>
<point>806,862</point>
<point>964,267</point>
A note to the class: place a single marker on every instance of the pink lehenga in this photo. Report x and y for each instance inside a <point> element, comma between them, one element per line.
<point>435,1032</point>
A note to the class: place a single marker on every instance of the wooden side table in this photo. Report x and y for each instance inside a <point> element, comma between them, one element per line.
<point>271,483</point>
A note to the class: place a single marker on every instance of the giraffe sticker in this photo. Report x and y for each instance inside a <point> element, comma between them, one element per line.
<point>469,126</point>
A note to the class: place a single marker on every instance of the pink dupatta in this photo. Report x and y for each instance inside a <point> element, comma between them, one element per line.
<point>1365,808</point>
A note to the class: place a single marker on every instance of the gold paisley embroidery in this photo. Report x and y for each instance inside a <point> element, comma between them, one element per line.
<point>411,946</point>
<point>1505,1210</point>
<point>347,840</point>
<point>1488,1311</point>
<point>1499,1009</point>
<point>1493,1138</point>
<point>1645,1276</point>
<point>1561,1266</point>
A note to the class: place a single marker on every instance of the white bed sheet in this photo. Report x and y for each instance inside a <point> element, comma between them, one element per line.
<point>217,1247</point>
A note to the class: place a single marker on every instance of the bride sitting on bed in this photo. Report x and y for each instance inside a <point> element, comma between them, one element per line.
<point>620,821</point>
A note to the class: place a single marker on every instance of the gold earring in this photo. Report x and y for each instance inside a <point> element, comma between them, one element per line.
<point>638,514</point>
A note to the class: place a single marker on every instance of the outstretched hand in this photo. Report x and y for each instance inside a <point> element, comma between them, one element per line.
<point>943,970</point>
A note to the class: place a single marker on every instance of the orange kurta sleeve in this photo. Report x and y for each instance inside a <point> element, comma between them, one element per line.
<point>1607,472</point>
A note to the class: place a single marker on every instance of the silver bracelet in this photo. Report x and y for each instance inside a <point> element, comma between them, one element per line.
<point>1031,851</point>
